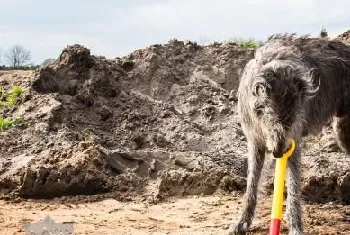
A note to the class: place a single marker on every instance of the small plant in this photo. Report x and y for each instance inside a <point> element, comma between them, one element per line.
<point>7,123</point>
<point>88,136</point>
<point>13,97</point>
<point>8,99</point>
<point>323,33</point>
<point>251,43</point>
<point>246,43</point>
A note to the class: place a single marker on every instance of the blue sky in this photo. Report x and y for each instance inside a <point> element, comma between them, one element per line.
<point>116,28</point>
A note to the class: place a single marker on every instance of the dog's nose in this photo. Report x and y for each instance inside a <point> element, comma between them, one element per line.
<point>279,151</point>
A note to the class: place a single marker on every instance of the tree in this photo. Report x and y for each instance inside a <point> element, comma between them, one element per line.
<point>323,33</point>
<point>47,62</point>
<point>17,56</point>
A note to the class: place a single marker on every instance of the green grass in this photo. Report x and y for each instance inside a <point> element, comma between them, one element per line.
<point>8,99</point>
<point>246,43</point>
<point>14,95</point>
<point>250,43</point>
<point>7,123</point>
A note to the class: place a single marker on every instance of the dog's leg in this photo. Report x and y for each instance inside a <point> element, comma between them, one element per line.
<point>341,127</point>
<point>256,157</point>
<point>294,216</point>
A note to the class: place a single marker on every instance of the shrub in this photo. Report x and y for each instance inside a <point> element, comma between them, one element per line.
<point>323,33</point>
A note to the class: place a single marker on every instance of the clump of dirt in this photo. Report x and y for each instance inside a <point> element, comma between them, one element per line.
<point>161,121</point>
<point>345,37</point>
<point>85,173</point>
<point>327,177</point>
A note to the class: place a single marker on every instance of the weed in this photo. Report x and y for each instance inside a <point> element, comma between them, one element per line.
<point>246,43</point>
<point>88,136</point>
<point>8,99</point>
<point>6,123</point>
<point>14,95</point>
<point>323,33</point>
<point>250,43</point>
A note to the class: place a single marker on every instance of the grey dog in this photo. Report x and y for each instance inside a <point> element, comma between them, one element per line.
<point>291,88</point>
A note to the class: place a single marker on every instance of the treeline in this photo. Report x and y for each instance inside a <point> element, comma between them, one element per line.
<point>16,57</point>
<point>26,67</point>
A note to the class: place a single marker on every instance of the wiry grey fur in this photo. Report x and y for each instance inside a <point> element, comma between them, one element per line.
<point>291,88</point>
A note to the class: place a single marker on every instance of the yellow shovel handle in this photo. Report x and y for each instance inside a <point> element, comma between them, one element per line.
<point>279,178</point>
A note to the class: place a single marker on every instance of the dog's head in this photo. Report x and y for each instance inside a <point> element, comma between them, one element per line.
<point>276,93</point>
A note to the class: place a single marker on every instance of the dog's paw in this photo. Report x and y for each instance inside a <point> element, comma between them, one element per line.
<point>240,228</point>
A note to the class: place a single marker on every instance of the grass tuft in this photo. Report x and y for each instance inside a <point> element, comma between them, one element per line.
<point>7,123</point>
<point>323,33</point>
<point>14,95</point>
<point>246,43</point>
<point>250,43</point>
<point>8,99</point>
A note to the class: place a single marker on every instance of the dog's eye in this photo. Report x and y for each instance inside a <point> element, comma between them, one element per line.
<point>259,109</point>
<point>259,89</point>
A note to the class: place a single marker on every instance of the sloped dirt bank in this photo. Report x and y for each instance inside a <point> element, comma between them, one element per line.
<point>159,122</point>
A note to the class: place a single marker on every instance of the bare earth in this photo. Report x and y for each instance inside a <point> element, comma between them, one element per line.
<point>181,216</point>
<point>153,141</point>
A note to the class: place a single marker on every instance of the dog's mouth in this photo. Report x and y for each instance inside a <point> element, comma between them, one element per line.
<point>281,148</point>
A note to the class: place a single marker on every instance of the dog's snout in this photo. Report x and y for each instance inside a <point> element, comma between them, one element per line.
<point>280,149</point>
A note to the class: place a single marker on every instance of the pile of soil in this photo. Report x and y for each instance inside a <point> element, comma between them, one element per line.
<point>159,122</point>
<point>345,37</point>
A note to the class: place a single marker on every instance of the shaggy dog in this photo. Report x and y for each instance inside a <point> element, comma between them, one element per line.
<point>292,88</point>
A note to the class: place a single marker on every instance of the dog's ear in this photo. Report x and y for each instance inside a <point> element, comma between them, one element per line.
<point>308,83</point>
<point>295,75</point>
<point>264,82</point>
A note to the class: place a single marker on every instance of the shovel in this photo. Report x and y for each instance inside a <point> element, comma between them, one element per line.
<point>279,178</point>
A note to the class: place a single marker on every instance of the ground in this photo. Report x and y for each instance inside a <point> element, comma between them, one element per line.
<point>191,215</point>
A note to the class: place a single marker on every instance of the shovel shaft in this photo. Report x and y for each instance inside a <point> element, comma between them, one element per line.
<point>279,180</point>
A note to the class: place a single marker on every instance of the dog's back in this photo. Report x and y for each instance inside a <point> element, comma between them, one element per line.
<point>329,63</point>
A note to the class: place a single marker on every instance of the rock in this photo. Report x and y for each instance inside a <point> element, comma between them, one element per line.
<point>105,113</point>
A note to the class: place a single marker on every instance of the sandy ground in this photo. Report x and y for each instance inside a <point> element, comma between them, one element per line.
<point>180,216</point>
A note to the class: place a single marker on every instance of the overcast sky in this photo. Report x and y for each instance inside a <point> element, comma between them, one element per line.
<point>117,27</point>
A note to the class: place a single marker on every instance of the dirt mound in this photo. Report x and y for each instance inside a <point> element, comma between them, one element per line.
<point>344,37</point>
<point>160,121</point>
